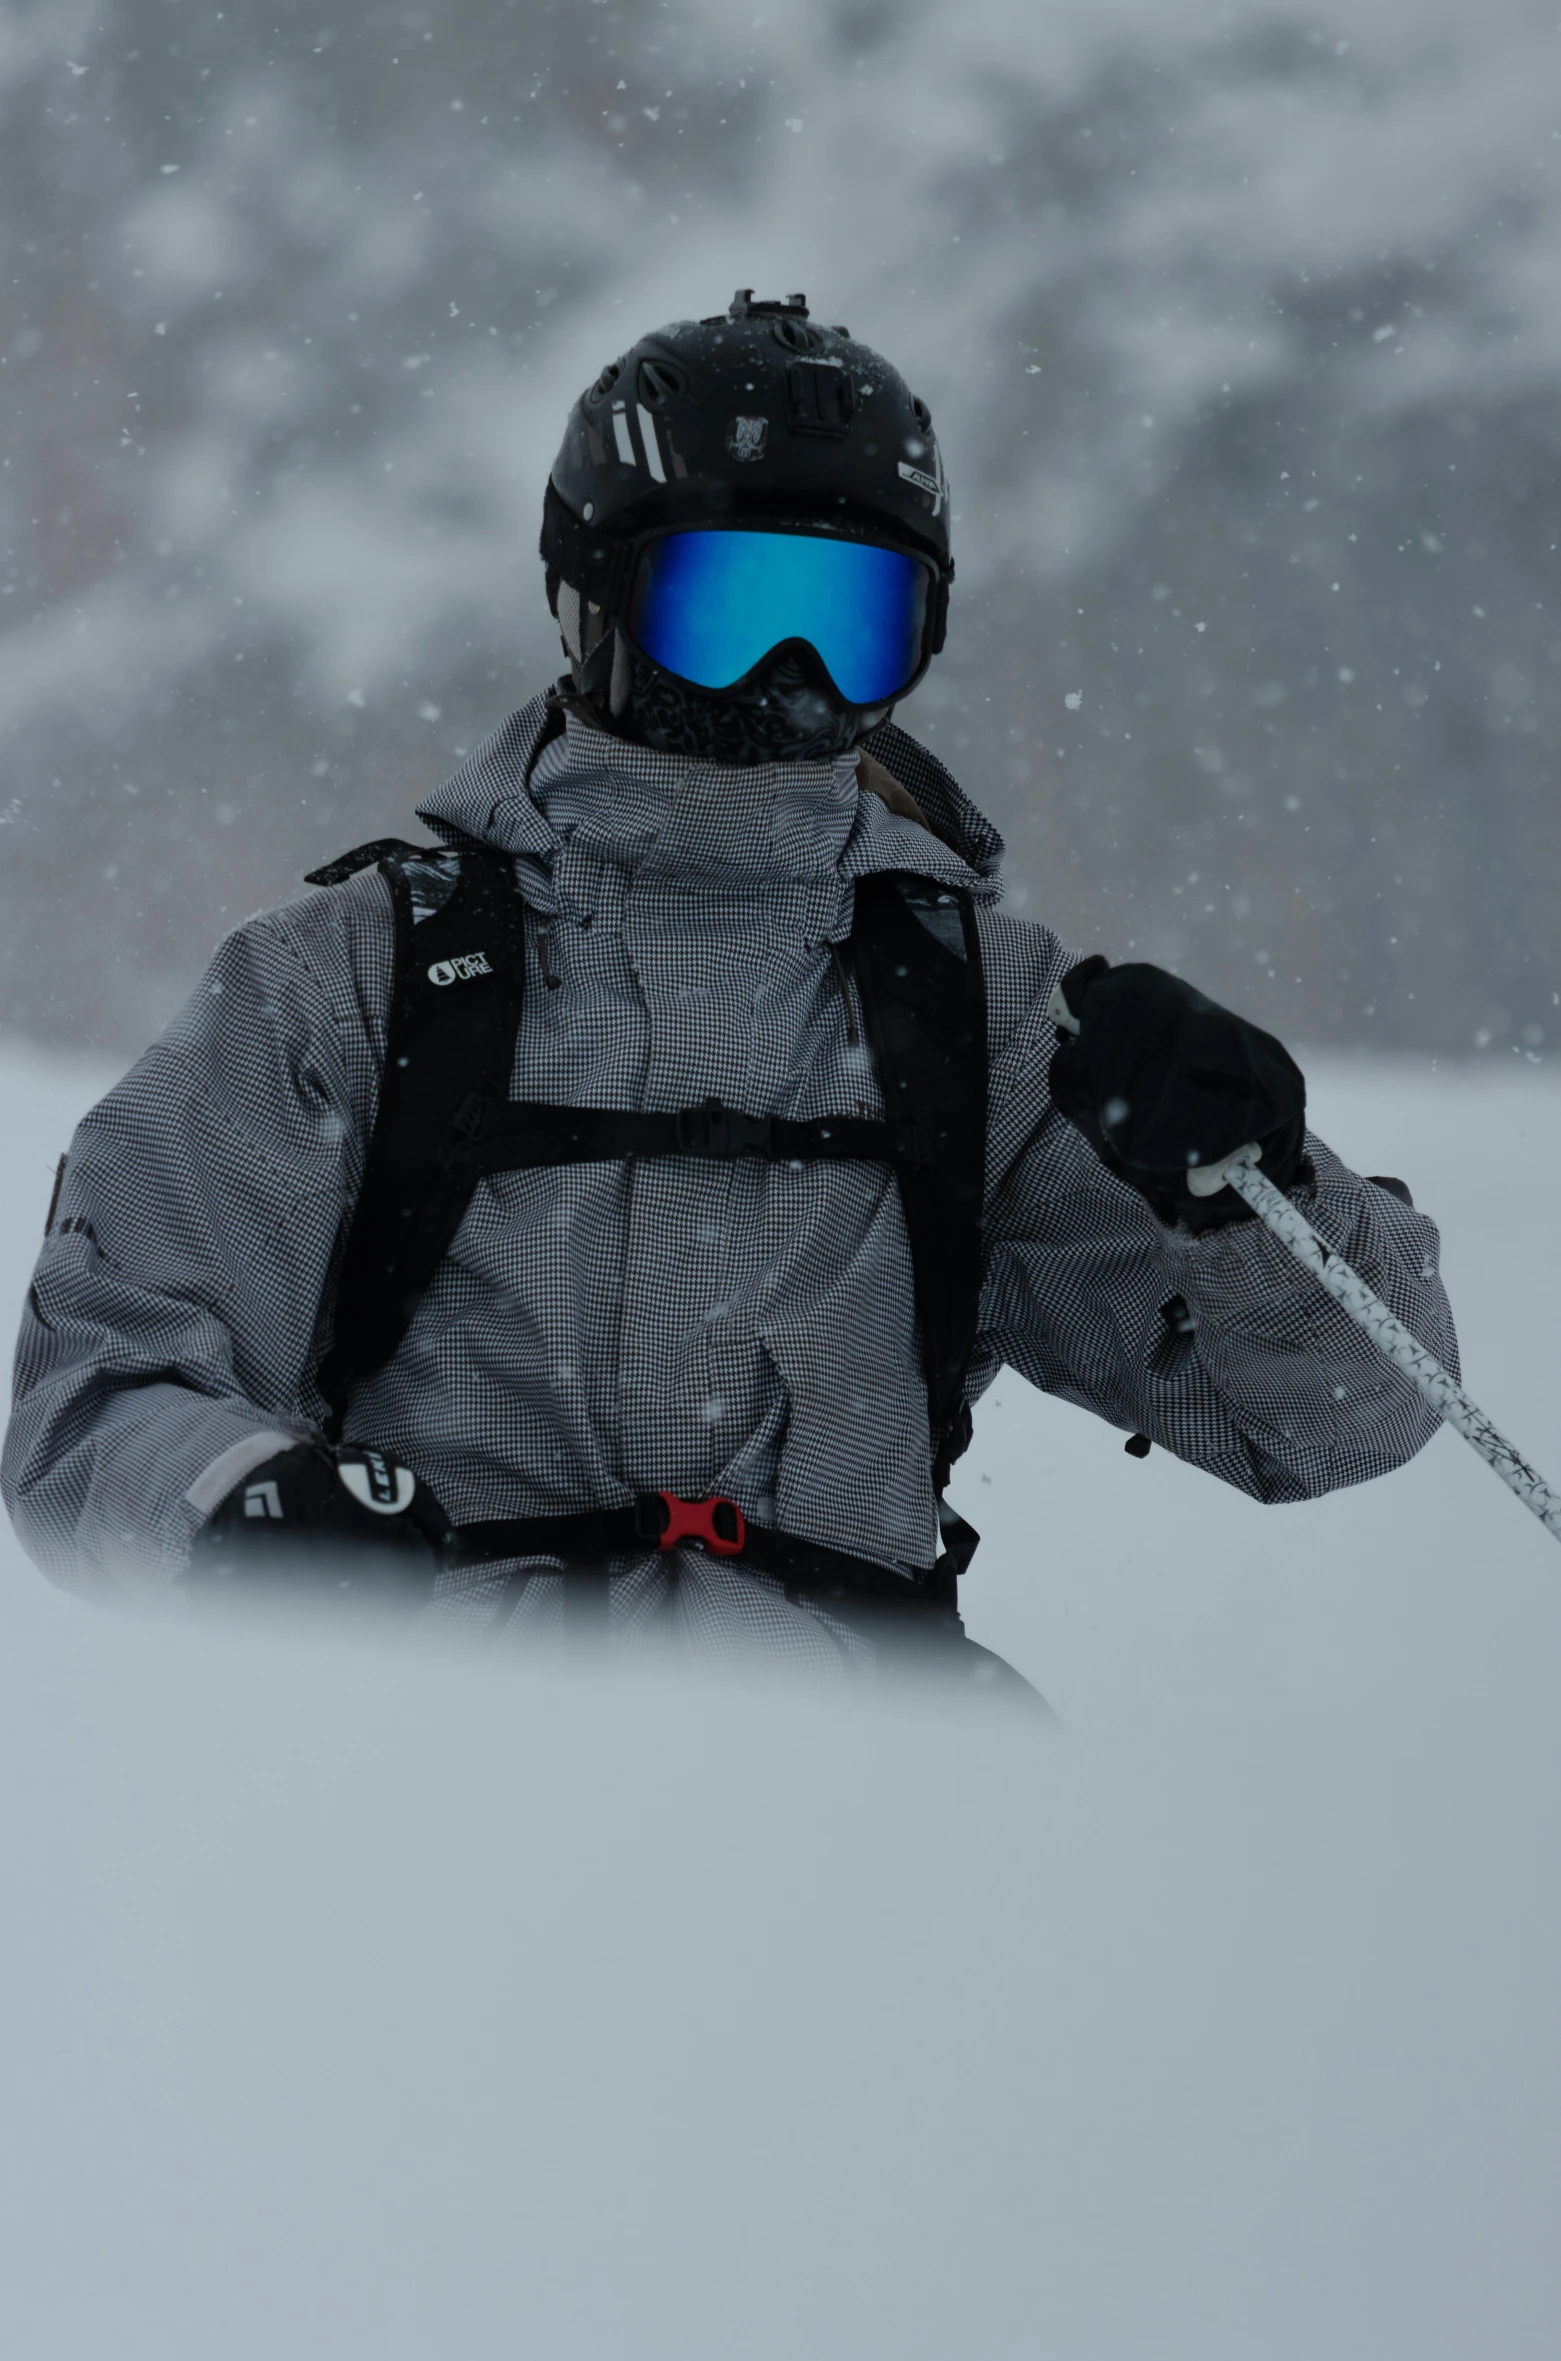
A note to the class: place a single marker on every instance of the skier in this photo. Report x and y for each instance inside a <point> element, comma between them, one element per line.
<point>612,1209</point>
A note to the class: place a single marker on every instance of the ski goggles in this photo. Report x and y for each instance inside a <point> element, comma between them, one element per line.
<point>712,605</point>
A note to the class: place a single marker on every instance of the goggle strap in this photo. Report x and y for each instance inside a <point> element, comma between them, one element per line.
<point>939,618</point>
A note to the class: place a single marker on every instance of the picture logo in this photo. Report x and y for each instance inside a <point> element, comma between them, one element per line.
<point>460,971</point>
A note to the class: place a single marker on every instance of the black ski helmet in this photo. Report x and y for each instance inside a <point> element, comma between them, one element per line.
<point>759,416</point>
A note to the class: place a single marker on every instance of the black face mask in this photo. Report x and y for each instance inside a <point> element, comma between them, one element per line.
<point>785,714</point>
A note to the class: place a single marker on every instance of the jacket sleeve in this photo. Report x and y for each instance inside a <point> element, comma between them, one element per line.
<point>171,1331</point>
<point>1219,1347</point>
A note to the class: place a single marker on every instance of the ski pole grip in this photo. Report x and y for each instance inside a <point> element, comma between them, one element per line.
<point>1207,1180</point>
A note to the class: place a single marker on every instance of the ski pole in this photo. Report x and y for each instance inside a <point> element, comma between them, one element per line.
<point>1391,1338</point>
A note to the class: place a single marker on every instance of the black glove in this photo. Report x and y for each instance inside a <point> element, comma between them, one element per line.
<point>1160,1079</point>
<point>339,1520</point>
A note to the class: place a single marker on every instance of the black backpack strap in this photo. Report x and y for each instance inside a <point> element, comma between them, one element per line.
<point>449,1055</point>
<point>917,957</point>
<point>589,1536</point>
<point>364,856</point>
<point>530,1133</point>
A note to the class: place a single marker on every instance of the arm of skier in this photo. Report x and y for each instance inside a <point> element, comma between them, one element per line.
<point>1213,1344</point>
<point>169,1336</point>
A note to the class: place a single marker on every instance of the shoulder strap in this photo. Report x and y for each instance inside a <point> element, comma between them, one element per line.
<point>917,958</point>
<point>363,856</point>
<point>449,1051</point>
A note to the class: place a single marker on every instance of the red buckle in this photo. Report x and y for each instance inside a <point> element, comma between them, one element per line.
<point>695,1520</point>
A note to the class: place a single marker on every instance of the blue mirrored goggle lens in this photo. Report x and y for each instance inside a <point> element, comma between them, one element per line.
<point>711,605</point>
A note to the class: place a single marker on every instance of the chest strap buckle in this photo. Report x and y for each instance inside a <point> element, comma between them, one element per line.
<point>719,1524</point>
<point>720,1131</point>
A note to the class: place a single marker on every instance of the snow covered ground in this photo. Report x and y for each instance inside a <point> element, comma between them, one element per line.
<point>361,2003</point>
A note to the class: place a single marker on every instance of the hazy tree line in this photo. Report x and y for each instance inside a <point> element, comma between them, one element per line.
<point>1240,325</point>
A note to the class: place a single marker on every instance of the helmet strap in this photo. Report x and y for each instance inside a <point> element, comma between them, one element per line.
<point>593,672</point>
<point>622,677</point>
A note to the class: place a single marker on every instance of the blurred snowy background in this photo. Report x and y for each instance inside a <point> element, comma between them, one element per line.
<point>1241,323</point>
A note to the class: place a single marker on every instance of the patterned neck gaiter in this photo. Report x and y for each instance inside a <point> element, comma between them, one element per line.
<point>782,716</point>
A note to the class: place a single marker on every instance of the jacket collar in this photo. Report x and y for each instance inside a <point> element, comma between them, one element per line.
<point>787,818</point>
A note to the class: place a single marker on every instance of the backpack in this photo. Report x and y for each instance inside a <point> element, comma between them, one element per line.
<point>445,1120</point>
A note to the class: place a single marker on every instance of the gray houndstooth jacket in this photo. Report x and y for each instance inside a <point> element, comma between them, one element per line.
<point>740,1328</point>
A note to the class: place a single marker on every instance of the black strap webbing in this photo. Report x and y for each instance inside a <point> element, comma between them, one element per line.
<point>594,1535</point>
<point>925,1009</point>
<point>526,1134</point>
<point>450,1041</point>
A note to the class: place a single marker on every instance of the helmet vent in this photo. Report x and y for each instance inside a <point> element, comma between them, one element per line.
<point>923,414</point>
<point>605,383</point>
<point>658,383</point>
<point>796,336</point>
